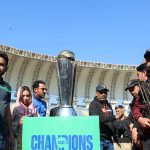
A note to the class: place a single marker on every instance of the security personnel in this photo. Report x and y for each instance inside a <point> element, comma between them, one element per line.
<point>140,110</point>
<point>134,126</point>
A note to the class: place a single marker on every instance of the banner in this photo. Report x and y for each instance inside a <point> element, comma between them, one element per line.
<point>61,133</point>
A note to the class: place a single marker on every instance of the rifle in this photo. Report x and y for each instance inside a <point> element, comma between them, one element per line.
<point>145,92</point>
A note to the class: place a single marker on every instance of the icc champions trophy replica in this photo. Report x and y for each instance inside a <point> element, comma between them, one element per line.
<point>66,69</point>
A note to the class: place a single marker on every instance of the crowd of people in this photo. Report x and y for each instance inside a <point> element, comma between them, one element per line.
<point>117,131</point>
<point>122,132</point>
<point>11,116</point>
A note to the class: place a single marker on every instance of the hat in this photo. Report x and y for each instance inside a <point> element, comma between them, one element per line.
<point>119,106</point>
<point>101,87</point>
<point>131,84</point>
<point>147,54</point>
<point>142,67</point>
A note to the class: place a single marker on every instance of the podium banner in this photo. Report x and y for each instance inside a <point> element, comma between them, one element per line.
<point>61,133</point>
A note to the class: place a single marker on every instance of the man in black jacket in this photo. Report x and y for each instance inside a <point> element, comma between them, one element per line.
<point>100,106</point>
<point>123,131</point>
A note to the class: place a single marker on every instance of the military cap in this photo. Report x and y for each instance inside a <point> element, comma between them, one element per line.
<point>147,54</point>
<point>132,83</point>
<point>142,67</point>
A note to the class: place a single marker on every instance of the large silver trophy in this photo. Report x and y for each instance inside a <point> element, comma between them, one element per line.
<point>66,69</point>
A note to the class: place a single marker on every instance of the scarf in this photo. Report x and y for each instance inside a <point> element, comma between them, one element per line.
<point>23,109</point>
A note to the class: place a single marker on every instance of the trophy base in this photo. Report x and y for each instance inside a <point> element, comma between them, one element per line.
<point>66,111</point>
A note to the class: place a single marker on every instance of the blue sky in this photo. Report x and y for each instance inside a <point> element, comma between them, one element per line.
<point>108,31</point>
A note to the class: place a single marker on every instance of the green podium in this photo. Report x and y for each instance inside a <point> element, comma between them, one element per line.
<point>61,133</point>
